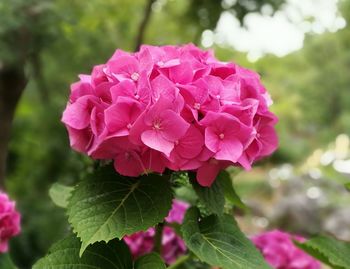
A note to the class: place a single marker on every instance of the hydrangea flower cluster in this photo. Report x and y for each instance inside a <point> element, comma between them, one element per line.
<point>9,221</point>
<point>173,246</point>
<point>171,107</point>
<point>279,251</point>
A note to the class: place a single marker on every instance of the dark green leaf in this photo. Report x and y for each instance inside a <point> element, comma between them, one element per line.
<point>6,262</point>
<point>101,255</point>
<point>219,242</point>
<point>106,205</point>
<point>60,194</point>
<point>347,185</point>
<point>224,179</point>
<point>330,251</point>
<point>211,197</point>
<point>150,261</point>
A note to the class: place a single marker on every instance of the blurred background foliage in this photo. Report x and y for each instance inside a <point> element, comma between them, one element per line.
<point>53,41</point>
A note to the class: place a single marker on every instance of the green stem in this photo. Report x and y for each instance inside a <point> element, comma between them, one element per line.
<point>158,238</point>
<point>180,261</point>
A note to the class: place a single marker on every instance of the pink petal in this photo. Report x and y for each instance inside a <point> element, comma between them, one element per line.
<point>77,115</point>
<point>163,86</point>
<point>214,85</point>
<point>155,140</point>
<point>243,160</point>
<point>173,127</point>
<point>129,164</point>
<point>230,150</point>
<point>109,147</point>
<point>207,174</point>
<point>79,89</point>
<point>126,64</point>
<point>145,61</point>
<point>153,161</point>
<point>79,139</point>
<point>191,165</point>
<point>191,144</point>
<point>155,111</point>
<point>182,73</point>
<point>268,139</point>
<point>137,129</point>
<point>125,88</point>
<point>211,139</point>
<point>120,116</point>
<point>230,92</point>
<point>97,122</point>
<point>103,91</point>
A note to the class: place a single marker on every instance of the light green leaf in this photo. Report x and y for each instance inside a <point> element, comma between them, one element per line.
<point>219,242</point>
<point>211,197</point>
<point>224,179</point>
<point>6,262</point>
<point>330,251</point>
<point>150,261</point>
<point>60,194</point>
<point>106,205</point>
<point>101,255</point>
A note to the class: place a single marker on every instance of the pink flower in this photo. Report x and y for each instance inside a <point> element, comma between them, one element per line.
<point>160,127</point>
<point>186,149</point>
<point>225,136</point>
<point>279,251</point>
<point>9,221</point>
<point>177,212</point>
<point>174,107</point>
<point>173,246</point>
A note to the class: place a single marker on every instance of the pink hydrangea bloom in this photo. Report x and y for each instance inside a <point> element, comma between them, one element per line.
<point>9,221</point>
<point>174,107</point>
<point>279,251</point>
<point>173,246</point>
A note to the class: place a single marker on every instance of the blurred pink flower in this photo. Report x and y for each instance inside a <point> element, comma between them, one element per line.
<point>279,251</point>
<point>9,221</point>
<point>173,246</point>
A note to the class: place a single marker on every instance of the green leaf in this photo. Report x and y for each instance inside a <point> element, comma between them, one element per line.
<point>219,242</point>
<point>330,251</point>
<point>101,255</point>
<point>6,262</point>
<point>347,185</point>
<point>106,205</point>
<point>224,179</point>
<point>211,197</point>
<point>150,261</point>
<point>60,194</point>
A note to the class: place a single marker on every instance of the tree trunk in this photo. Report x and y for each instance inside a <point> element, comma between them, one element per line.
<point>143,24</point>
<point>12,84</point>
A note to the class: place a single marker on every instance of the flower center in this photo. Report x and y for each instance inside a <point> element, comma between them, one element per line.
<point>197,106</point>
<point>176,142</point>
<point>221,136</point>
<point>157,125</point>
<point>137,97</point>
<point>135,76</point>
<point>129,126</point>
<point>218,97</point>
<point>160,63</point>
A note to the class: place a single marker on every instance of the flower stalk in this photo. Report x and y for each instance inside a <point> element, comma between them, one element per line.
<point>158,238</point>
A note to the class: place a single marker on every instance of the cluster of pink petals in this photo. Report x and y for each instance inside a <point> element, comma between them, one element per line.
<point>279,251</point>
<point>9,221</point>
<point>171,107</point>
<point>173,246</point>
